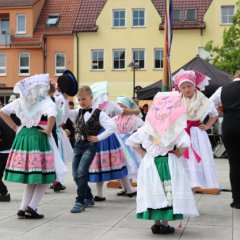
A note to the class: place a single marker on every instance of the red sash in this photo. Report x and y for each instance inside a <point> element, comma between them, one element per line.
<point>189,125</point>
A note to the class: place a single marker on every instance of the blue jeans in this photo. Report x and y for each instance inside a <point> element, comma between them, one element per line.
<point>84,153</point>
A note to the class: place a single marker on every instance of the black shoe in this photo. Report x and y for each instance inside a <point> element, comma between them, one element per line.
<point>132,194</point>
<point>155,229</point>
<point>32,214</point>
<point>59,187</point>
<point>5,197</point>
<point>99,199</point>
<point>235,205</point>
<point>122,193</point>
<point>166,229</point>
<point>21,214</point>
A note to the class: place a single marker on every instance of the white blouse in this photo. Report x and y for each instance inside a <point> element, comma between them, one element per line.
<point>28,118</point>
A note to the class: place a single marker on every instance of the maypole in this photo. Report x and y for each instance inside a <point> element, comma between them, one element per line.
<point>167,81</point>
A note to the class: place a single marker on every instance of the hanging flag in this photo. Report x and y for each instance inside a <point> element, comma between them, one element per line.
<point>167,78</point>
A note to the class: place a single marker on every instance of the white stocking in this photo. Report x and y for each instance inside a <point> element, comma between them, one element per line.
<point>38,194</point>
<point>99,186</point>
<point>27,196</point>
<point>126,184</point>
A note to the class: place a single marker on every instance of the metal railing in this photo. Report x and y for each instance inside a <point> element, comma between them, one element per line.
<point>5,39</point>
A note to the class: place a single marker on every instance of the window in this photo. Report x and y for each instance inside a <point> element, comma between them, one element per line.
<point>139,57</point>
<point>119,19</point>
<point>21,23</point>
<point>97,59</point>
<point>158,58</point>
<point>24,64</point>
<point>138,17</point>
<point>59,63</point>
<point>176,14</point>
<point>2,64</point>
<point>191,15</point>
<point>52,20</point>
<point>119,59</point>
<point>4,26</point>
<point>227,12</point>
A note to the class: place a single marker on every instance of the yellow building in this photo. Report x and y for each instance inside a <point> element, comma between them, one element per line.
<point>111,34</point>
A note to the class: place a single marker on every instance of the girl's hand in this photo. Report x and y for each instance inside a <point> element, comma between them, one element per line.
<point>179,151</point>
<point>204,127</point>
<point>46,131</point>
<point>92,139</point>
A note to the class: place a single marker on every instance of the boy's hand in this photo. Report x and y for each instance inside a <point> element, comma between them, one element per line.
<point>92,139</point>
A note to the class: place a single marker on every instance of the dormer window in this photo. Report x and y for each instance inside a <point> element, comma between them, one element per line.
<point>190,15</point>
<point>176,14</point>
<point>52,20</point>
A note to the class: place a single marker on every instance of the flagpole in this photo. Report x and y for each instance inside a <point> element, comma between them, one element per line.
<point>167,81</point>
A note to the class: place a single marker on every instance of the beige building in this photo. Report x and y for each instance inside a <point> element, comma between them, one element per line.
<point>112,33</point>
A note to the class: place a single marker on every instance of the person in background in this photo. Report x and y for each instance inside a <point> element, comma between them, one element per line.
<point>228,97</point>
<point>7,136</point>
<point>144,111</point>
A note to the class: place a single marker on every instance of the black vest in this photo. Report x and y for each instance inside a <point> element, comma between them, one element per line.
<point>90,128</point>
<point>7,135</point>
<point>230,98</point>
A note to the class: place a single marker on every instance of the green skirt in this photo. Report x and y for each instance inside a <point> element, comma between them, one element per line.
<point>165,214</point>
<point>30,159</point>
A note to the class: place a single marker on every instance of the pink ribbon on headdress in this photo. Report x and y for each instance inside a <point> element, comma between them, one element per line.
<point>101,106</point>
<point>188,130</point>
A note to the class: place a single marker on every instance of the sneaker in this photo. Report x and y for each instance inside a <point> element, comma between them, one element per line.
<point>88,203</point>
<point>5,197</point>
<point>78,207</point>
<point>161,229</point>
<point>99,199</point>
<point>59,187</point>
<point>32,214</point>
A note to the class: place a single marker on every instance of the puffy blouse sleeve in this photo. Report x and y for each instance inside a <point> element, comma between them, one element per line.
<point>11,107</point>
<point>183,141</point>
<point>136,139</point>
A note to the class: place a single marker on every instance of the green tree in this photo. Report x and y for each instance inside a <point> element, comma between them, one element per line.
<point>227,56</point>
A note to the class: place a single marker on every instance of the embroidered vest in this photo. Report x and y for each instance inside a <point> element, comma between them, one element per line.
<point>90,128</point>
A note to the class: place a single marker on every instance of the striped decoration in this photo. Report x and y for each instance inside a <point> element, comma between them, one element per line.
<point>167,78</point>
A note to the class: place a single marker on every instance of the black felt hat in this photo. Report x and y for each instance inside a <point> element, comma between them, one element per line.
<point>67,83</point>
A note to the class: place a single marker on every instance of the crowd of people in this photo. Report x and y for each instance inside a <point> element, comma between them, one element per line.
<point>164,146</point>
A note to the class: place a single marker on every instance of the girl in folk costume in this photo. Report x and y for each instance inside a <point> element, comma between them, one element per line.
<point>62,141</point>
<point>32,159</point>
<point>109,162</point>
<point>198,162</point>
<point>127,124</point>
<point>163,192</point>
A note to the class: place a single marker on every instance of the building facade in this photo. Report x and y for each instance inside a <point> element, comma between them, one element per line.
<point>36,36</point>
<point>113,34</point>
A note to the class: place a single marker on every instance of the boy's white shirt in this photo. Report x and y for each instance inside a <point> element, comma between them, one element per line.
<point>105,121</point>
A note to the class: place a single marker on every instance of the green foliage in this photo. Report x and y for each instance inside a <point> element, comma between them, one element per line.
<point>227,56</point>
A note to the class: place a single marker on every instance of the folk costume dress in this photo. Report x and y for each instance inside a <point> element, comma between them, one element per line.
<point>109,162</point>
<point>198,159</point>
<point>163,191</point>
<point>64,145</point>
<point>127,124</point>
<point>31,159</point>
